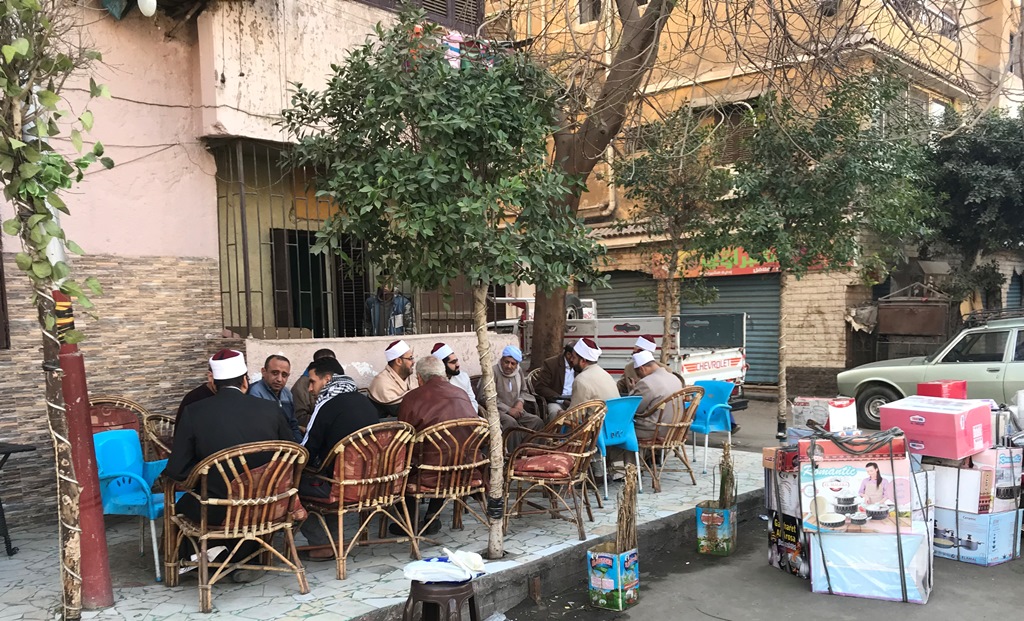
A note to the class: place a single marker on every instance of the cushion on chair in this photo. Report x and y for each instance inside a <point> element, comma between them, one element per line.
<point>545,466</point>
<point>290,506</point>
<point>420,488</point>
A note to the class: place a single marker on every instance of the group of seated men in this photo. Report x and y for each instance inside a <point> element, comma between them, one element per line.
<point>324,405</point>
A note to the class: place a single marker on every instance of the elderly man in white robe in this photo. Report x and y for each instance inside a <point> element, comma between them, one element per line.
<point>510,384</point>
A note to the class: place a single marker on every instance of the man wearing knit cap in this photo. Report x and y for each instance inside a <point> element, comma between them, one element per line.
<point>391,384</point>
<point>654,384</point>
<point>592,382</point>
<point>510,385</point>
<point>452,369</point>
<point>227,419</point>
<point>629,374</point>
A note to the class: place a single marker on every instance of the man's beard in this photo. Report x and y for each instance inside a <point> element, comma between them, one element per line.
<point>450,373</point>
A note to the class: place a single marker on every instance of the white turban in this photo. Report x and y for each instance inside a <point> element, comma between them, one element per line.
<point>227,364</point>
<point>642,358</point>
<point>395,350</point>
<point>587,349</point>
<point>646,343</point>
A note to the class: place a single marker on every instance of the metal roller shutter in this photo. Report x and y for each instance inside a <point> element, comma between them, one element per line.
<point>1013,293</point>
<point>632,294</point>
<point>758,297</point>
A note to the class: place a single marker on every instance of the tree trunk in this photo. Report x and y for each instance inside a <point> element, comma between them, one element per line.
<point>671,309</point>
<point>548,325</point>
<point>783,412</point>
<point>496,495</point>
<point>69,530</point>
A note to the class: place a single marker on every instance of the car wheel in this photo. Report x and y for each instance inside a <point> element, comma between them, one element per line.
<point>868,402</point>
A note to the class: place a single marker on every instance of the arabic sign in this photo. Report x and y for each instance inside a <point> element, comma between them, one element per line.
<point>729,262</point>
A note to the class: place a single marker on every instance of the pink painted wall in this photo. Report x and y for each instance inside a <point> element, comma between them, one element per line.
<point>160,198</point>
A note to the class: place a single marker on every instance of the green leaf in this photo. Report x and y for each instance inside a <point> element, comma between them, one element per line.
<point>76,140</point>
<point>56,202</point>
<point>23,261</point>
<point>12,227</point>
<point>6,163</point>
<point>94,285</point>
<point>86,119</point>
<point>73,337</point>
<point>93,55</point>
<point>21,46</point>
<point>52,228</point>
<point>8,51</point>
<point>61,270</point>
<point>15,143</point>
<point>28,170</point>
<point>36,219</point>
<point>97,149</point>
<point>73,247</point>
<point>48,99</point>
<point>107,162</point>
<point>49,322</point>
<point>42,269</point>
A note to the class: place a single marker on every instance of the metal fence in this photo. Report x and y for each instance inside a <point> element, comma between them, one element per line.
<point>272,286</point>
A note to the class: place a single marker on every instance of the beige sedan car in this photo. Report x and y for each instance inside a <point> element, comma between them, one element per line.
<point>990,358</point>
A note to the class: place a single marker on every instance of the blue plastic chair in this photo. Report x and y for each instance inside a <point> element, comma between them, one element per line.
<point>618,430</point>
<point>713,414</point>
<point>126,481</point>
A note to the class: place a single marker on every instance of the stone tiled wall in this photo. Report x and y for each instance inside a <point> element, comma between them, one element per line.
<point>816,331</point>
<point>157,321</point>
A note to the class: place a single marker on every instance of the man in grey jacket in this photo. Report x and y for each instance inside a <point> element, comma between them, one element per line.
<point>654,384</point>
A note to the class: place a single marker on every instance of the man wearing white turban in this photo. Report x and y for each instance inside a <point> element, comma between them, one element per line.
<point>592,382</point>
<point>655,384</point>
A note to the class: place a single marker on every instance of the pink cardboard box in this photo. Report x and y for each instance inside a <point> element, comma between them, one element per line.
<point>947,389</point>
<point>937,427</point>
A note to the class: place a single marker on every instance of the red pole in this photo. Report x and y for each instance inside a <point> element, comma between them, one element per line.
<point>97,591</point>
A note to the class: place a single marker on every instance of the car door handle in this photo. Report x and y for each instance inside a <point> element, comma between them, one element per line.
<point>993,369</point>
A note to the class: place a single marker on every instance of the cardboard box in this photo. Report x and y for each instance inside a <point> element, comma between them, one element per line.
<point>991,485</point>
<point>947,389</point>
<point>988,539</point>
<point>836,414</point>
<point>716,528</point>
<point>949,428</point>
<point>614,577</point>
<point>787,549</point>
<point>868,565</point>
<point>840,488</point>
<point>782,492</point>
<point>782,458</point>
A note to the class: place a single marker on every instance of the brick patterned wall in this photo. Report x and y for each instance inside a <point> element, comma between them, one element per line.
<point>816,330</point>
<point>158,320</point>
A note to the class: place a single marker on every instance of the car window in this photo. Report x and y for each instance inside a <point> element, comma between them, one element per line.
<point>1018,354</point>
<point>979,347</point>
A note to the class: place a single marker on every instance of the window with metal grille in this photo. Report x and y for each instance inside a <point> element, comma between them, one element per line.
<point>463,15</point>
<point>737,132</point>
<point>273,286</point>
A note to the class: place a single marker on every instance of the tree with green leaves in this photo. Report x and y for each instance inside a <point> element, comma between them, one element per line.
<point>440,165</point>
<point>677,182</point>
<point>839,185</point>
<point>978,178</point>
<point>40,48</point>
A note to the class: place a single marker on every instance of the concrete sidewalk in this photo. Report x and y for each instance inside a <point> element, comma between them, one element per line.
<point>375,588</point>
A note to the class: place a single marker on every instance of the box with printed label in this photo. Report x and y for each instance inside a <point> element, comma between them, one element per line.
<point>949,428</point>
<point>836,414</point>
<point>947,389</point>
<point>614,577</point>
<point>990,485</point>
<point>979,539</point>
<point>787,549</point>
<point>782,458</point>
<point>868,565</point>
<point>864,486</point>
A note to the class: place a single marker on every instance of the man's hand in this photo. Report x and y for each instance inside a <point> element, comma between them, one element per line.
<point>516,410</point>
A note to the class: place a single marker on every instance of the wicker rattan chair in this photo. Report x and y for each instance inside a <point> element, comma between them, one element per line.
<point>450,463</point>
<point>559,466</point>
<point>159,435</point>
<point>368,472</point>
<point>672,417</point>
<point>258,501</point>
<point>107,406</point>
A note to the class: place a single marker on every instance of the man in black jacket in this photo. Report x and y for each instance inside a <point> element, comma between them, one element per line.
<point>229,418</point>
<point>338,411</point>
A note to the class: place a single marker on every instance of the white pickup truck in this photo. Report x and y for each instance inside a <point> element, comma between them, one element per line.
<point>715,351</point>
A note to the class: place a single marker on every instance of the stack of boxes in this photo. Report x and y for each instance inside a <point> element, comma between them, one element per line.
<point>978,486</point>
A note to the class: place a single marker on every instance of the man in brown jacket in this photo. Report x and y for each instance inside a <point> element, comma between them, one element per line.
<point>554,383</point>
<point>435,401</point>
